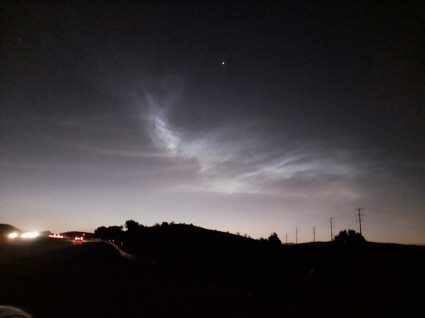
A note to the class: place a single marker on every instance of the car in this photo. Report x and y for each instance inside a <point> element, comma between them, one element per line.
<point>79,239</point>
<point>55,235</point>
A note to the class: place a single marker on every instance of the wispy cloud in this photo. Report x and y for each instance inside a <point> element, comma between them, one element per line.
<point>233,160</point>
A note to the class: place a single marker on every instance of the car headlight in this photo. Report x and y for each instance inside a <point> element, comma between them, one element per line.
<point>29,234</point>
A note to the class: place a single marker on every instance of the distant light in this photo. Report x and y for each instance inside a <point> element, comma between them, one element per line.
<point>56,235</point>
<point>29,234</point>
<point>13,235</point>
<point>222,63</point>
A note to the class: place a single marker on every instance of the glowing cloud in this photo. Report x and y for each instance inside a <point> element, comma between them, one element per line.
<point>230,163</point>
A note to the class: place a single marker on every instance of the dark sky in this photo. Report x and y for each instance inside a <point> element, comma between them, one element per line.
<point>248,117</point>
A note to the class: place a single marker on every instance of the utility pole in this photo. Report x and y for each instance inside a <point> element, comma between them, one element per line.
<point>360,219</point>
<point>296,236</point>
<point>286,238</point>
<point>314,234</point>
<point>332,236</point>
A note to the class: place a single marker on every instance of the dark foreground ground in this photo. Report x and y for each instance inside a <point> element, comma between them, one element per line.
<point>93,280</point>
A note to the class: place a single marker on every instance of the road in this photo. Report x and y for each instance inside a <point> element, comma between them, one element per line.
<point>84,280</point>
<point>12,250</point>
<point>93,280</point>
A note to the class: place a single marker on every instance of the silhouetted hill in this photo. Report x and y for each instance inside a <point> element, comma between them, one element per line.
<point>198,272</point>
<point>6,228</point>
<point>383,278</point>
<point>190,241</point>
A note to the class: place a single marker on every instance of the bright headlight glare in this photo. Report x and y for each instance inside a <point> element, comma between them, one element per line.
<point>13,235</point>
<point>29,234</point>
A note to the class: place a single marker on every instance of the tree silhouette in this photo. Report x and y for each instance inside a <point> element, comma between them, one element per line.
<point>132,226</point>
<point>101,232</point>
<point>274,239</point>
<point>109,233</point>
<point>349,237</point>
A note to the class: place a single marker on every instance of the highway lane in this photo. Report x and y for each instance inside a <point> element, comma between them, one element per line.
<point>92,279</point>
<point>15,249</point>
<point>83,280</point>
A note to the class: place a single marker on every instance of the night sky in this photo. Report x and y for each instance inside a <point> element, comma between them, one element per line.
<point>251,117</point>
